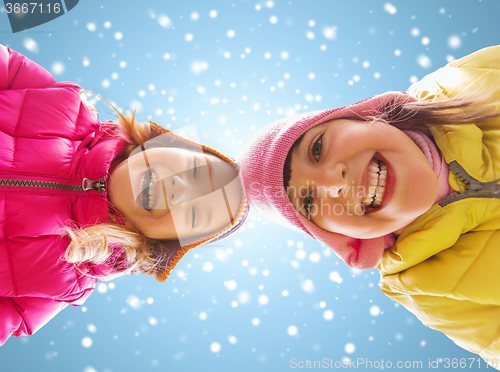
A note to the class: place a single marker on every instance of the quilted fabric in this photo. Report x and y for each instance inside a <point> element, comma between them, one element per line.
<point>46,134</point>
<point>444,266</point>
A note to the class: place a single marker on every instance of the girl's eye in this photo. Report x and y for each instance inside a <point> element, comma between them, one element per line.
<point>316,149</point>
<point>308,203</point>
<point>193,216</point>
<point>195,167</point>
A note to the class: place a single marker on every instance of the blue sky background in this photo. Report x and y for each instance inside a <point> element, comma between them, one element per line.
<point>266,294</point>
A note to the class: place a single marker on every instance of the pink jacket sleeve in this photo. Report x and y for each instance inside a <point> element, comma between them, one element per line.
<point>19,72</point>
<point>22,316</point>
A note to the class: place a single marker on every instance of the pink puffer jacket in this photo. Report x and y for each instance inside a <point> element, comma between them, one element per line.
<point>48,135</point>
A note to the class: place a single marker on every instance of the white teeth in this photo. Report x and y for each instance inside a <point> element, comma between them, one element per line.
<point>367,200</point>
<point>377,175</point>
<point>141,186</point>
<point>152,190</point>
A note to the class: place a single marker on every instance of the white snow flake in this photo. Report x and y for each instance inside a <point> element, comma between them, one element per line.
<point>208,267</point>
<point>197,67</point>
<point>349,348</point>
<point>244,297</point>
<point>330,32</point>
<point>454,41</point>
<point>164,21</point>
<point>153,321</point>
<point>31,45</point>
<point>389,8</point>
<point>315,257</point>
<point>328,315</point>
<point>57,68</point>
<point>215,347</point>
<point>307,286</point>
<point>292,330</point>
<point>300,254</point>
<point>134,302</point>
<point>374,310</point>
<point>86,342</point>
<point>424,61</point>
<point>231,284</point>
<point>263,299</point>
<point>335,277</point>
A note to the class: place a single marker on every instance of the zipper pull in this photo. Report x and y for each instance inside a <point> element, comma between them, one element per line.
<point>488,188</point>
<point>99,185</point>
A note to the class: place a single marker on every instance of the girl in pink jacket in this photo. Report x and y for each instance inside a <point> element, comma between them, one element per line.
<point>82,201</point>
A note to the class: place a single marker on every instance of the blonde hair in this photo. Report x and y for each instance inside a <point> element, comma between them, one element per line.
<point>474,107</point>
<point>96,244</point>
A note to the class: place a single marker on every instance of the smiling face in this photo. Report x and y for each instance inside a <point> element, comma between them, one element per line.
<point>175,194</point>
<point>360,179</point>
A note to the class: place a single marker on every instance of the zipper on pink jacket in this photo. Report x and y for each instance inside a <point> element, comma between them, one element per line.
<point>86,185</point>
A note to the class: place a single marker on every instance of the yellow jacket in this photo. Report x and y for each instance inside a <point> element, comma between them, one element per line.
<point>445,266</point>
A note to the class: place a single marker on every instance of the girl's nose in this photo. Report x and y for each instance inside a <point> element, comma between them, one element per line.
<point>334,181</point>
<point>177,190</point>
<point>183,188</point>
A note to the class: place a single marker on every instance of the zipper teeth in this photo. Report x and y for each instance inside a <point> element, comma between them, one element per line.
<point>40,184</point>
<point>473,188</point>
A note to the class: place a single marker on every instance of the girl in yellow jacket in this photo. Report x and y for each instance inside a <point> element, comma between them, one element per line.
<point>405,182</point>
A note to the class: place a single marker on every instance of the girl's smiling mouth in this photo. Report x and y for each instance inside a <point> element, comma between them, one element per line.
<point>380,185</point>
<point>148,186</point>
<point>377,174</point>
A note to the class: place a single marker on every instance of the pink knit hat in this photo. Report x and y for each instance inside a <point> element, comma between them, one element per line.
<point>261,164</point>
